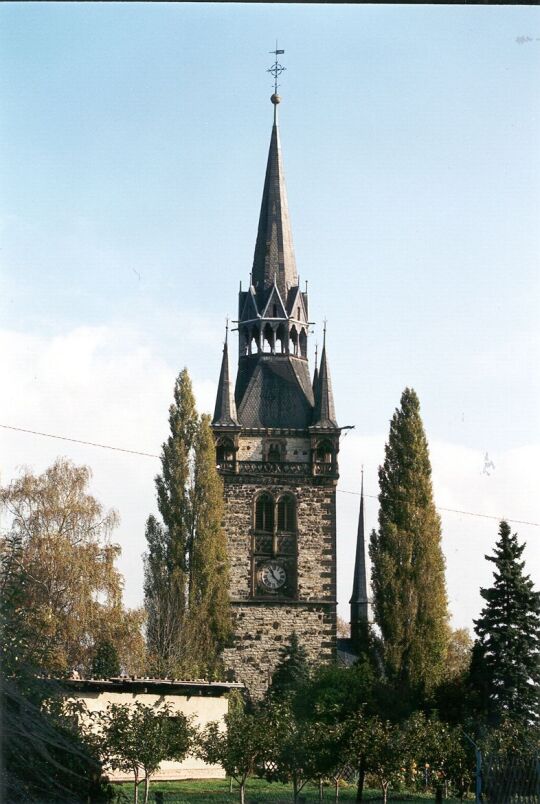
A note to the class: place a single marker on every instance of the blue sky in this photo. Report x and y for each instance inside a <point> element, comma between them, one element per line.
<point>133,141</point>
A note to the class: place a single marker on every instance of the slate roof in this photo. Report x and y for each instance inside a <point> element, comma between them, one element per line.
<point>274,391</point>
<point>274,252</point>
<point>325,414</point>
<point>225,411</point>
<point>359,592</point>
<point>346,652</point>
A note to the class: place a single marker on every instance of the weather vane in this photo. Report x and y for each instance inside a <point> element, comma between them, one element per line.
<point>276,69</point>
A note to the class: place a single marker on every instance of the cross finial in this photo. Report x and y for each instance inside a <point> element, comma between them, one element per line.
<point>324,333</point>
<point>226,330</point>
<point>275,70</point>
<point>316,352</point>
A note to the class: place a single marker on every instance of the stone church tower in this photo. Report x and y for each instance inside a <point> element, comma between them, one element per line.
<point>277,443</point>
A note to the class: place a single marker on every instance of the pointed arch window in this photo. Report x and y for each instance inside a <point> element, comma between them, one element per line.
<point>264,513</point>
<point>324,452</point>
<point>275,452</point>
<point>224,451</point>
<point>287,513</point>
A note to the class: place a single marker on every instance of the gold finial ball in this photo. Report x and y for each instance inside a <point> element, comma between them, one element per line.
<point>275,99</point>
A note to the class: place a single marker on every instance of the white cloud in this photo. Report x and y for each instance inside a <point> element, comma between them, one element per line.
<point>109,385</point>
<point>100,384</point>
<point>459,482</point>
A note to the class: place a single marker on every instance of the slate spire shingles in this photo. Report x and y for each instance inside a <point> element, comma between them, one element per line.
<point>274,252</point>
<point>359,601</point>
<point>225,411</point>
<point>325,414</point>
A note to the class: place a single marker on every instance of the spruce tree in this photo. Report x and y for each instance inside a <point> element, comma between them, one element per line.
<point>186,579</point>
<point>409,591</point>
<point>292,670</point>
<point>505,670</point>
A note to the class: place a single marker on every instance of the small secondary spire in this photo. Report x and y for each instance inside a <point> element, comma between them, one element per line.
<point>359,602</point>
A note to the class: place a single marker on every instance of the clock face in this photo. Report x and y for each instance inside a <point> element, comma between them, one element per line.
<point>272,575</point>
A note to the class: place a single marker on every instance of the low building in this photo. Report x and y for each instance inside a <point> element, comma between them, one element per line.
<point>204,700</point>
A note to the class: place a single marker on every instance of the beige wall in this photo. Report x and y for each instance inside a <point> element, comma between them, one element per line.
<point>202,708</point>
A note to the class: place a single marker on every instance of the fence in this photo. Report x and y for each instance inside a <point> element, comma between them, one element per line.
<point>507,779</point>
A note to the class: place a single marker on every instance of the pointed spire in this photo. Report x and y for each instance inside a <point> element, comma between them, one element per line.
<point>316,372</point>
<point>225,410</point>
<point>274,252</point>
<point>324,414</point>
<point>359,600</point>
<point>359,593</point>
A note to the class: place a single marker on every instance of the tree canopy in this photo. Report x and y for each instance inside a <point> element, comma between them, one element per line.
<point>408,580</point>
<point>505,670</point>
<point>61,585</point>
<point>186,569</point>
<point>292,670</point>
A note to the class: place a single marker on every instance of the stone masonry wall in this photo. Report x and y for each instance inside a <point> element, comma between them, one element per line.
<point>262,629</point>
<point>296,449</point>
<point>316,564</point>
<point>262,626</point>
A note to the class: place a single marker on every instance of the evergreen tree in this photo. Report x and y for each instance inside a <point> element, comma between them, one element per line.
<point>186,578</point>
<point>105,663</point>
<point>505,670</point>
<point>208,620</point>
<point>166,577</point>
<point>292,670</point>
<point>408,580</point>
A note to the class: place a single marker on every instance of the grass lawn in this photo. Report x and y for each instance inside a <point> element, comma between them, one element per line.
<point>258,791</point>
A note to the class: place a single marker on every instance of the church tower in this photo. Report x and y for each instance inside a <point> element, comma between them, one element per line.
<point>277,443</point>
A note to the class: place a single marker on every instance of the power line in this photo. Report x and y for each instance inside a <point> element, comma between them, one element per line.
<point>341,491</point>
<point>456,511</point>
<point>79,441</point>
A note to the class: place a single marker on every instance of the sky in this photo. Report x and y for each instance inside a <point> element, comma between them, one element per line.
<point>133,144</point>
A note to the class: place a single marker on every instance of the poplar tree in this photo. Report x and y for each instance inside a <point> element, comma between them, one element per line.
<point>505,669</point>
<point>166,577</point>
<point>409,591</point>
<point>208,620</point>
<point>186,578</point>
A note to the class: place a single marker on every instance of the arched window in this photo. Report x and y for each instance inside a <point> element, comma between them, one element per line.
<point>303,343</point>
<point>224,451</point>
<point>264,513</point>
<point>287,514</point>
<point>269,338</point>
<point>293,335</point>
<point>275,452</point>
<point>325,452</point>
